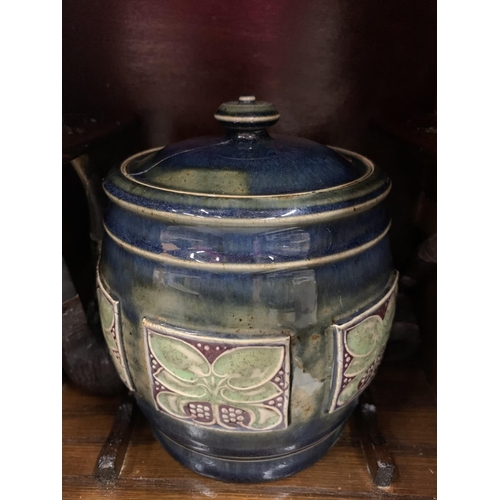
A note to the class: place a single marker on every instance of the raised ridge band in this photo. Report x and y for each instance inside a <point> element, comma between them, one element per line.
<point>257,267</point>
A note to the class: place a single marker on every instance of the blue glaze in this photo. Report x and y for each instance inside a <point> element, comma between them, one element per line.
<point>271,164</point>
<point>354,279</point>
<point>206,211</point>
<point>278,245</point>
<point>283,242</point>
<point>247,465</point>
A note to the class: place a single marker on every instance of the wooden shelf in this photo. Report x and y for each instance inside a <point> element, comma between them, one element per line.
<point>406,407</point>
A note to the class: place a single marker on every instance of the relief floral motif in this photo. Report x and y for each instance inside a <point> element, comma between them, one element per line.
<point>216,383</point>
<point>361,344</point>
<point>108,311</point>
<point>108,324</point>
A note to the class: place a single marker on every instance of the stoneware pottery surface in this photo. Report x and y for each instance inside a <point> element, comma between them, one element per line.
<point>247,291</point>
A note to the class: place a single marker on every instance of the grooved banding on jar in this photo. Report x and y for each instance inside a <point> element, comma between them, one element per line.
<point>252,267</point>
<point>256,222</point>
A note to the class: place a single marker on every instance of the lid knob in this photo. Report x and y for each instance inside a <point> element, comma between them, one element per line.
<point>246,98</point>
<point>247,114</point>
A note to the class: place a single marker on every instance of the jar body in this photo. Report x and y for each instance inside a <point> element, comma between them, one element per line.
<point>248,349</point>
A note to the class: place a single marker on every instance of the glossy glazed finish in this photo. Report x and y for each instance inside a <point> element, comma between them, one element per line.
<point>251,316</point>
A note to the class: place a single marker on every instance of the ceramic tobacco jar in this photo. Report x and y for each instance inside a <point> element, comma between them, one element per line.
<point>247,291</point>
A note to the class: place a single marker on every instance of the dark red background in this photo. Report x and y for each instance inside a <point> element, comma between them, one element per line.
<point>328,65</point>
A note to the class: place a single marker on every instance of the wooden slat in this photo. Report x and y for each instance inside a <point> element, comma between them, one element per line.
<point>407,418</point>
<point>378,457</point>
<point>112,455</point>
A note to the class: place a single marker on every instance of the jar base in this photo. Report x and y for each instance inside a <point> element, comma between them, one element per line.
<point>249,470</point>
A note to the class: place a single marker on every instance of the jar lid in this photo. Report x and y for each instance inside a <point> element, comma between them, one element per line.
<point>246,162</point>
<point>258,174</point>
